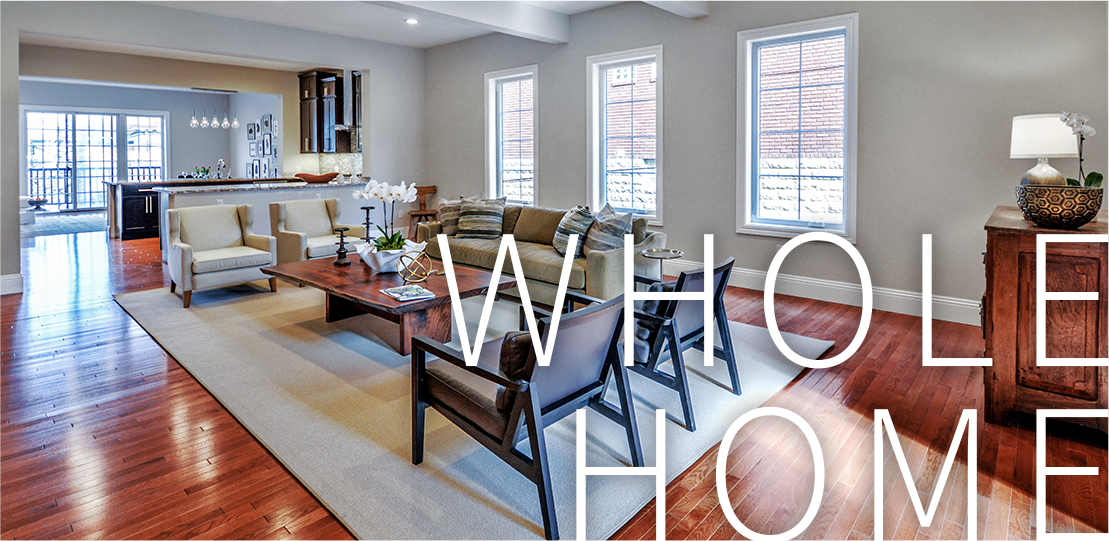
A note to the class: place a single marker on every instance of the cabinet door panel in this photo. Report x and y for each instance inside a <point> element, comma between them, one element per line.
<point>308,140</point>
<point>1073,327</point>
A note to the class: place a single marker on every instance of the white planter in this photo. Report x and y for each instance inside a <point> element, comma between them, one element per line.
<point>386,261</point>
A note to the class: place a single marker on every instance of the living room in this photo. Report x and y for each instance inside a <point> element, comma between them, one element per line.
<point>938,87</point>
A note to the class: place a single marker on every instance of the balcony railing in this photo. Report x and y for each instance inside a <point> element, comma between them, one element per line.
<point>52,184</point>
<point>55,185</point>
<point>145,173</point>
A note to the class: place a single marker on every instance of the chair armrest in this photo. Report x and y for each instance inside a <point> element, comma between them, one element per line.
<point>455,357</point>
<point>291,246</point>
<point>179,259</point>
<point>651,321</point>
<point>604,269</point>
<point>265,243</point>
<point>355,230</point>
<point>428,230</point>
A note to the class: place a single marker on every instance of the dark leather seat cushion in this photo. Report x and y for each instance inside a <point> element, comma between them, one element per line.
<point>475,398</point>
<point>650,306</point>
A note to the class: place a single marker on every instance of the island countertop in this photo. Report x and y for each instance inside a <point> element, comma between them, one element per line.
<point>195,181</point>
<point>296,184</point>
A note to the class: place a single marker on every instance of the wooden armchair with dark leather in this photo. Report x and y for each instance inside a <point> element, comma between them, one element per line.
<point>508,397</point>
<point>666,328</point>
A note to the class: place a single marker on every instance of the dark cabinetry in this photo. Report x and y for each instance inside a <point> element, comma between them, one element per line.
<point>1074,328</point>
<point>140,212</point>
<point>321,113</point>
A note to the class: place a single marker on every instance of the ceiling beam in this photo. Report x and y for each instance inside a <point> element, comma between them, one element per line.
<point>687,9</point>
<point>513,18</point>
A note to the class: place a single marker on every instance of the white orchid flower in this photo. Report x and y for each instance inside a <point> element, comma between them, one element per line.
<point>405,194</point>
<point>1084,130</point>
<point>359,194</point>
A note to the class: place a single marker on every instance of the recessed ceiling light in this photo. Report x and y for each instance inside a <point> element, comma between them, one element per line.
<point>411,20</point>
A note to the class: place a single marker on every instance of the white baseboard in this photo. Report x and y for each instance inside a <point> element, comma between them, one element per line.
<point>11,283</point>
<point>890,300</point>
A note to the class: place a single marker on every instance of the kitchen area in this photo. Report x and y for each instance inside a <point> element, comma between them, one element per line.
<point>129,152</point>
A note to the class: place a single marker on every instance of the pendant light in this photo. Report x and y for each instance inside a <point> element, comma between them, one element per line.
<point>235,122</point>
<point>215,121</point>
<point>225,124</point>
<point>194,122</point>
<point>204,119</point>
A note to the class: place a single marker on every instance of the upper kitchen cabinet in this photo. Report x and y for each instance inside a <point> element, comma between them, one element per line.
<point>329,112</point>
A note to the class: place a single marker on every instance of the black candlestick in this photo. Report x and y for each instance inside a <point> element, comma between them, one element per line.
<point>342,260</point>
<point>367,209</point>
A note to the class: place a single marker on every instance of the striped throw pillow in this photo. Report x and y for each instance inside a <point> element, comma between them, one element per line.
<point>608,230</point>
<point>449,210</point>
<point>481,219</point>
<point>577,220</point>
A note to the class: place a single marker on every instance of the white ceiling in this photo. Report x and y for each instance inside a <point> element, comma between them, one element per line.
<point>378,21</point>
<point>440,22</point>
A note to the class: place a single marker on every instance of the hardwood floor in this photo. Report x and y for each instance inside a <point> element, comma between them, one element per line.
<point>103,435</point>
<point>770,472</point>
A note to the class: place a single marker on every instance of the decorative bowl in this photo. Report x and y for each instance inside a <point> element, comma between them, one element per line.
<point>1059,207</point>
<point>317,179</point>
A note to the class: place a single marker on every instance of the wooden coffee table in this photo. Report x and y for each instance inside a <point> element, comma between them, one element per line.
<point>356,289</point>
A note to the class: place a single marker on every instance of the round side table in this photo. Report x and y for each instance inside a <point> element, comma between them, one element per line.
<point>660,254</point>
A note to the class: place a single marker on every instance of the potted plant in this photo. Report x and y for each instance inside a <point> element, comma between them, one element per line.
<point>382,253</point>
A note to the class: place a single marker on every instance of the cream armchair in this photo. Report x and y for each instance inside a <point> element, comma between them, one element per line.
<point>213,246</point>
<point>305,229</point>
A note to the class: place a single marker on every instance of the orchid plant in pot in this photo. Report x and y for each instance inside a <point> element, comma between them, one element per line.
<point>1077,123</point>
<point>383,252</point>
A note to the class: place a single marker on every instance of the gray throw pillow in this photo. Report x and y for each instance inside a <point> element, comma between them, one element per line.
<point>576,220</point>
<point>608,230</point>
<point>449,212</point>
<point>481,219</point>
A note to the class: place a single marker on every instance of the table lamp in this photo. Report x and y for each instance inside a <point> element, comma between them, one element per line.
<point>1042,136</point>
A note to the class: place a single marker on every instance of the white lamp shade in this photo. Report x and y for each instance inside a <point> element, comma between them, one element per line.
<point>1042,136</point>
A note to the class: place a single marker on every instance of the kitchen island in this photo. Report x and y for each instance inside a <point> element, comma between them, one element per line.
<point>260,194</point>
<point>133,211</point>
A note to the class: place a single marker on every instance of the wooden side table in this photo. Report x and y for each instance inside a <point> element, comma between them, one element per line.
<point>1074,328</point>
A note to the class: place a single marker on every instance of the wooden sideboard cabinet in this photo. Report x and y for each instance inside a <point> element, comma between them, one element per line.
<point>1074,328</point>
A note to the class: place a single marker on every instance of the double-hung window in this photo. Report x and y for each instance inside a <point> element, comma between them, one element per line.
<point>625,132</point>
<point>797,110</point>
<point>510,134</point>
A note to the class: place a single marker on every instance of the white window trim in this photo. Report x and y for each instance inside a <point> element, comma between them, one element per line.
<point>594,135</point>
<point>492,171</point>
<point>744,124</point>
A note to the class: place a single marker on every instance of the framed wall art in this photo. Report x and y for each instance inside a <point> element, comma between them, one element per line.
<point>253,149</point>
<point>267,144</point>
<point>251,132</point>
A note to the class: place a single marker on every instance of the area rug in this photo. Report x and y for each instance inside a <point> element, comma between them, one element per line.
<point>334,406</point>
<point>65,223</point>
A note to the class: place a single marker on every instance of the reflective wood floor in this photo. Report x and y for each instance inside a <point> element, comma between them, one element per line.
<point>103,435</point>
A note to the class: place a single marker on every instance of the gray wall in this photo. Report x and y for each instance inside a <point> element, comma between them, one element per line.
<point>393,84</point>
<point>188,146</point>
<point>939,84</point>
<point>250,108</point>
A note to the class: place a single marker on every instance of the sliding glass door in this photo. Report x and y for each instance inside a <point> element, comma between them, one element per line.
<point>71,153</point>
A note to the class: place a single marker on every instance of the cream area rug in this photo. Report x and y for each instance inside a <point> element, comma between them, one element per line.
<point>334,406</point>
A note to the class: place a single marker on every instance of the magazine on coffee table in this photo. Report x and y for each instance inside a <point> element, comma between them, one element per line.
<point>409,292</point>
